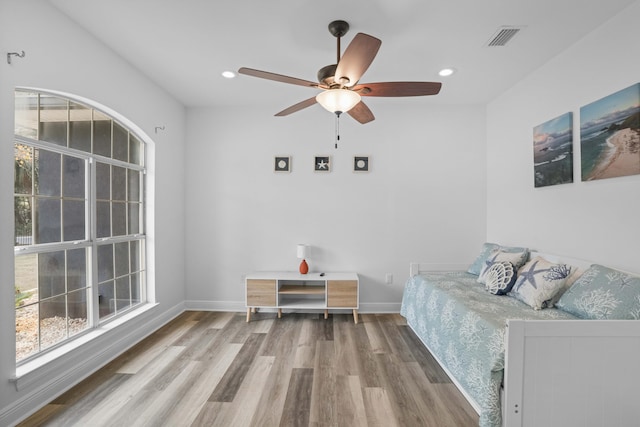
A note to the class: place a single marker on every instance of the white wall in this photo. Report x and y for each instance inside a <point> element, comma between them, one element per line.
<point>423,199</point>
<point>596,220</point>
<point>62,57</point>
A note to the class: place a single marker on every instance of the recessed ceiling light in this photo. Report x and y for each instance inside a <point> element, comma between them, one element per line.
<point>446,72</point>
<point>228,74</point>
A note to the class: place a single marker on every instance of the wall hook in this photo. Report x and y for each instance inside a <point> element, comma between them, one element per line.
<point>159,128</point>
<point>16,54</point>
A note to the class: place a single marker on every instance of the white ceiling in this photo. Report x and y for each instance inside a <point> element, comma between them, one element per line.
<point>184,45</point>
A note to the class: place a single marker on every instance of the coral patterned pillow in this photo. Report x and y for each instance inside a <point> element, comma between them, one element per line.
<point>603,293</point>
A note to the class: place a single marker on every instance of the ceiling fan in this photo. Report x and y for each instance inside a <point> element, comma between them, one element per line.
<point>341,92</point>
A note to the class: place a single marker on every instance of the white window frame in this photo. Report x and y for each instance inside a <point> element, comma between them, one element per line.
<point>147,292</point>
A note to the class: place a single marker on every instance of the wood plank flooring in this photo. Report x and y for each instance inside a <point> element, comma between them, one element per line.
<point>214,369</point>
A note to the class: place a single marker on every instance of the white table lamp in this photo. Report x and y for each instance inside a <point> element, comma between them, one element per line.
<point>303,251</point>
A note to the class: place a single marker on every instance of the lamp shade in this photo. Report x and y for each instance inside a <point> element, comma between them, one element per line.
<point>338,100</point>
<point>302,250</point>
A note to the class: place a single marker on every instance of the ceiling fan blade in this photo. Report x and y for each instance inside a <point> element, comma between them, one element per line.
<point>277,77</point>
<point>398,89</point>
<point>297,107</point>
<point>357,58</point>
<point>361,113</point>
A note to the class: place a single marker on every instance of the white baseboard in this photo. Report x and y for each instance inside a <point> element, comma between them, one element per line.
<point>239,306</point>
<point>51,381</point>
<point>233,306</point>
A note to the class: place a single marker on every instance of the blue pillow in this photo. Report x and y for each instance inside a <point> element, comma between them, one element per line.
<point>603,293</point>
<point>477,265</point>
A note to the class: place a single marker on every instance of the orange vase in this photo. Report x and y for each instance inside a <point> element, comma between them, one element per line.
<point>304,267</point>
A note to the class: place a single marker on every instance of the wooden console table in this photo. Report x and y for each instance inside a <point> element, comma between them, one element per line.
<point>292,290</point>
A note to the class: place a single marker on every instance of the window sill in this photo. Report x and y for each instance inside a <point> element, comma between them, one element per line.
<point>34,370</point>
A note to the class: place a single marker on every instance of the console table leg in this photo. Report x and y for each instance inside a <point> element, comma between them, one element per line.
<point>248,314</point>
<point>326,314</point>
<point>279,313</point>
<point>355,316</point>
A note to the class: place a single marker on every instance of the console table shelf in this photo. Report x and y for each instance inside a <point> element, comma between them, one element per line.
<point>292,290</point>
<point>301,290</point>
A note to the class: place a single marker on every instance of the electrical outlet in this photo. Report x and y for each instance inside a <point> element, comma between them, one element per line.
<point>389,279</point>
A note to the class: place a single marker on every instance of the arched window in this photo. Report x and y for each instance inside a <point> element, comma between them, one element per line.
<point>79,200</point>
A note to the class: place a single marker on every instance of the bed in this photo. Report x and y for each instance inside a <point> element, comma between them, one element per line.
<point>474,334</point>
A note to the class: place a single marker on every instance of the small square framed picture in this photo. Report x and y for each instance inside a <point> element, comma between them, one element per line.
<point>361,163</point>
<point>322,164</point>
<point>282,164</point>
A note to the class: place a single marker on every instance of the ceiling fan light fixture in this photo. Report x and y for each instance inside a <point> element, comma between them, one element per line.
<point>339,82</point>
<point>338,100</point>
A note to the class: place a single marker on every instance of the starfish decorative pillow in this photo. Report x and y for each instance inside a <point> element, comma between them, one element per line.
<point>539,281</point>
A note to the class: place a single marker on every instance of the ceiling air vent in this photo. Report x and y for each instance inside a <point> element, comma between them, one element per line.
<point>503,36</point>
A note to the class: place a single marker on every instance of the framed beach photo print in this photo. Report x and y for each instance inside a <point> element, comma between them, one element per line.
<point>610,135</point>
<point>282,164</point>
<point>361,163</point>
<point>553,151</point>
<point>322,164</point>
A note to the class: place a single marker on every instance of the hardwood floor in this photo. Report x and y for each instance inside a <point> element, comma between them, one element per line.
<point>214,369</point>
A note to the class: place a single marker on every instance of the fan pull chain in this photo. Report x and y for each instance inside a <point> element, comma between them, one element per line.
<point>337,128</point>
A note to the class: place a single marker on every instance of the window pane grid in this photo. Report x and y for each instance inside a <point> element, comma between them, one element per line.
<point>117,199</point>
<point>119,272</point>
<point>70,124</point>
<point>79,187</point>
<point>53,120</point>
<point>26,114</point>
<point>50,309</point>
<point>31,143</point>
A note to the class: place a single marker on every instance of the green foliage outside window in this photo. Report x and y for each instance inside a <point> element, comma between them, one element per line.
<point>21,296</point>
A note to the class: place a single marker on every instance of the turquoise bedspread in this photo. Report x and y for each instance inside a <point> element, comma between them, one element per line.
<point>463,325</point>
